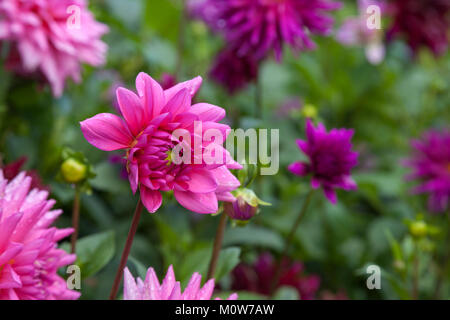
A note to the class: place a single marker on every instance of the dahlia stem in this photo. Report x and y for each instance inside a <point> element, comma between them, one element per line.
<point>126,250</point>
<point>217,245</point>
<point>75,219</point>
<point>415,275</point>
<point>181,39</point>
<point>445,261</point>
<point>259,110</point>
<point>288,242</point>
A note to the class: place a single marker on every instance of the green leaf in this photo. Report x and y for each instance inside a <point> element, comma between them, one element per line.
<point>94,252</point>
<point>254,236</point>
<point>228,259</point>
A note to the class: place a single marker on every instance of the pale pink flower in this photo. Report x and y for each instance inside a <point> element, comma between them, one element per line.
<point>169,289</point>
<point>356,32</point>
<point>146,133</point>
<point>51,38</point>
<point>29,257</point>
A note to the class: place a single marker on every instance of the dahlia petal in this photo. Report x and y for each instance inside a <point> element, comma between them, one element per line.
<point>197,202</point>
<point>10,279</point>
<point>151,199</point>
<point>106,132</point>
<point>152,93</point>
<point>178,103</point>
<point>168,283</point>
<point>330,193</point>
<point>299,168</point>
<point>208,112</point>
<point>226,181</point>
<point>206,292</point>
<point>131,109</point>
<point>202,181</point>
<point>130,290</point>
<point>226,196</point>
<point>133,176</point>
<point>192,87</point>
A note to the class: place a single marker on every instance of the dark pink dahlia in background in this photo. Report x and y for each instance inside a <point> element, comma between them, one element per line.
<point>330,159</point>
<point>259,26</point>
<point>29,256</point>
<point>145,130</point>
<point>431,166</point>
<point>234,72</point>
<point>51,38</point>
<point>421,23</point>
<point>258,277</point>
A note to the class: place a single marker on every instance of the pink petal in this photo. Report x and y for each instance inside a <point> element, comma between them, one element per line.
<point>152,199</point>
<point>130,290</point>
<point>192,87</point>
<point>208,112</point>
<point>131,109</point>
<point>197,202</point>
<point>106,132</point>
<point>179,103</point>
<point>225,179</point>
<point>330,194</point>
<point>152,94</point>
<point>168,283</point>
<point>299,168</point>
<point>201,181</point>
<point>226,196</point>
<point>10,279</point>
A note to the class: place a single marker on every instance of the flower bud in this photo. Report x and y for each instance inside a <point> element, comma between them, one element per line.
<point>309,111</point>
<point>73,171</point>
<point>245,206</point>
<point>418,229</point>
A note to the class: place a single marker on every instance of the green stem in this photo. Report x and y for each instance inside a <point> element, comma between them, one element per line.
<point>289,240</point>
<point>75,219</point>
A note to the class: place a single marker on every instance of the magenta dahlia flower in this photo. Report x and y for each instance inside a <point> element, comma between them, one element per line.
<point>146,132</point>
<point>234,72</point>
<point>169,289</point>
<point>29,257</point>
<point>51,38</point>
<point>330,159</point>
<point>258,277</point>
<point>259,26</point>
<point>421,23</point>
<point>431,165</point>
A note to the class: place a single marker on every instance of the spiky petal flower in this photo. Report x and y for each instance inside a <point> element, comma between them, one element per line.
<point>259,26</point>
<point>29,257</point>
<point>431,166</point>
<point>51,38</point>
<point>233,71</point>
<point>169,289</point>
<point>258,277</point>
<point>330,159</point>
<point>147,133</point>
<point>421,23</point>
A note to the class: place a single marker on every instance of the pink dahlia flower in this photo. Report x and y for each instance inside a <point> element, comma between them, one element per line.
<point>147,133</point>
<point>51,38</point>
<point>258,277</point>
<point>421,23</point>
<point>258,26</point>
<point>169,289</point>
<point>355,31</point>
<point>29,257</point>
<point>330,159</point>
<point>431,165</point>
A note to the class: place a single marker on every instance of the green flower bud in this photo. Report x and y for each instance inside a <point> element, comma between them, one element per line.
<point>73,171</point>
<point>418,229</point>
<point>245,207</point>
<point>309,111</point>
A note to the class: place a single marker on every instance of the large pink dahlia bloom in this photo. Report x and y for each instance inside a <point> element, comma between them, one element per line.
<point>258,26</point>
<point>169,289</point>
<point>51,38</point>
<point>431,165</point>
<point>29,257</point>
<point>147,133</point>
<point>330,159</point>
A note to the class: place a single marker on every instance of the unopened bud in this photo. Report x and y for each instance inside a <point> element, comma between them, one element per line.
<point>73,171</point>
<point>418,229</point>
<point>246,205</point>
